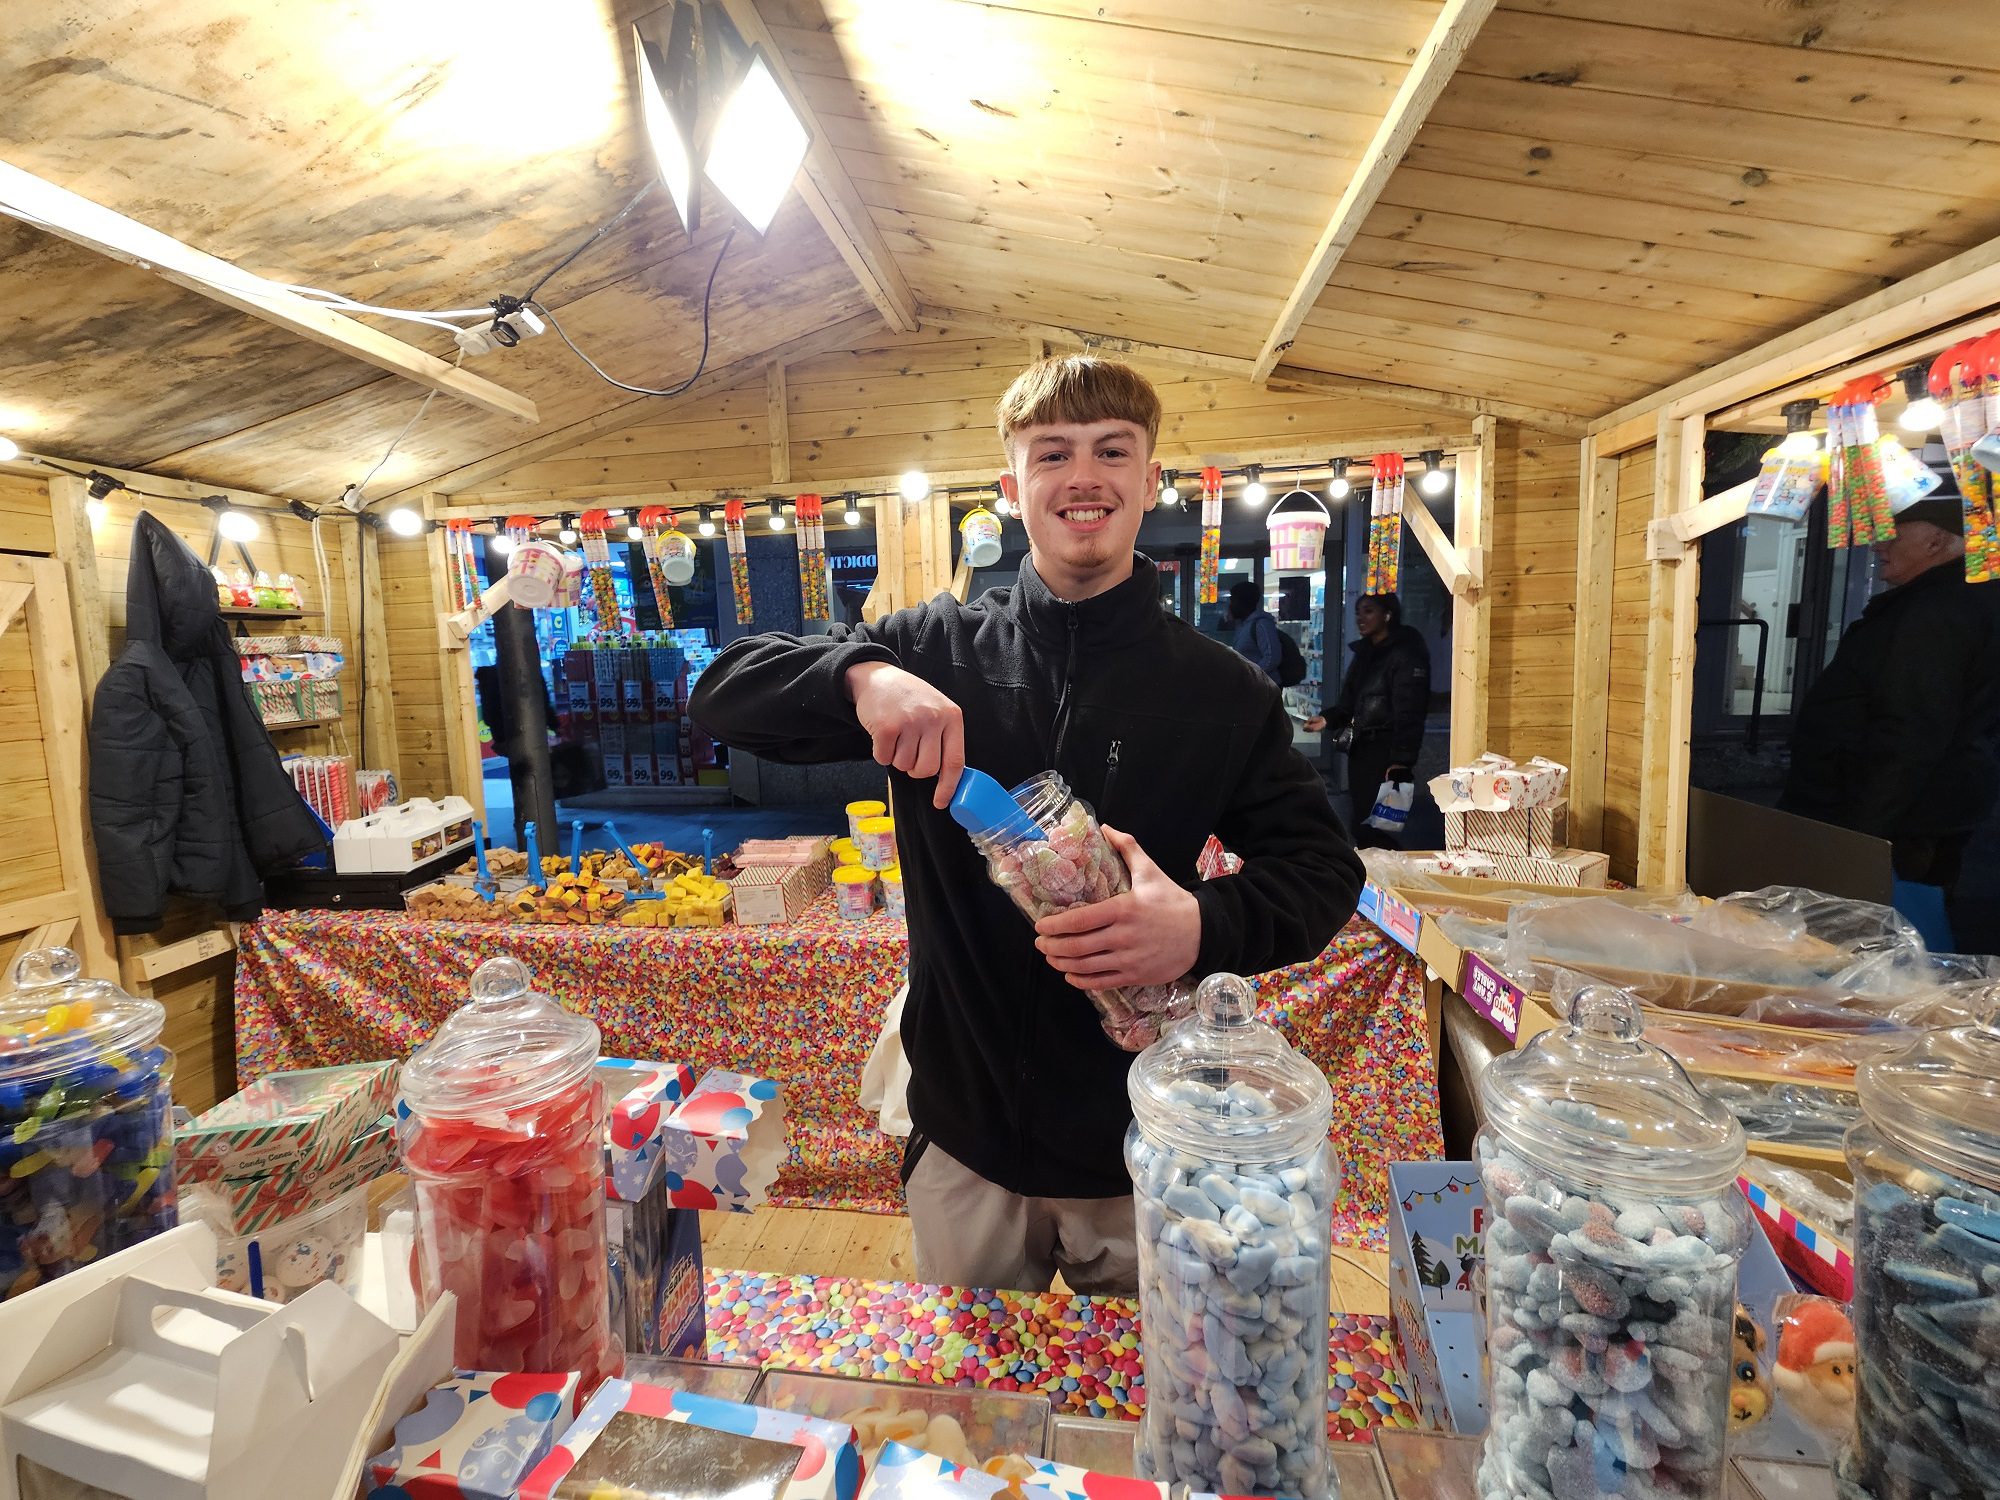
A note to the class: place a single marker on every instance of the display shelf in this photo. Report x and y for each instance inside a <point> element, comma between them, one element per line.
<point>241,612</point>
<point>299,724</point>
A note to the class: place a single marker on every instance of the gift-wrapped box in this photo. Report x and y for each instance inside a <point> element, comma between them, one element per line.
<point>1493,783</point>
<point>764,894</point>
<point>475,1437</point>
<point>1525,832</point>
<point>824,1465</point>
<point>294,1123</point>
<point>638,1098</point>
<point>1068,1482</point>
<point>725,1143</point>
<point>242,1206</point>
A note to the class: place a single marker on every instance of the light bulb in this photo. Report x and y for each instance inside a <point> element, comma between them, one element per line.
<point>1254,493</point>
<point>567,536</point>
<point>97,510</point>
<point>852,516</point>
<point>237,525</point>
<point>1170,494</point>
<point>1003,506</point>
<point>634,534</point>
<point>9,450</point>
<point>614,514</point>
<point>1800,444</point>
<point>706,527</point>
<point>502,544</point>
<point>1337,488</point>
<point>914,485</point>
<point>1434,482</point>
<point>405,522</point>
<point>1921,415</point>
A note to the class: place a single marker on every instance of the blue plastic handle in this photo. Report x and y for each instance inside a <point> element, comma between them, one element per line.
<point>531,836</point>
<point>708,851</point>
<point>982,806</point>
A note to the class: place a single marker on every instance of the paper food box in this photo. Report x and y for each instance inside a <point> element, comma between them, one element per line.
<point>1493,783</point>
<point>626,1436</point>
<point>1525,832</point>
<point>725,1143</point>
<point>240,1206</point>
<point>1437,1217</point>
<point>1069,1482</point>
<point>1575,868</point>
<point>656,1281</point>
<point>638,1098</point>
<point>475,1437</point>
<point>297,1123</point>
<point>264,1400</point>
<point>775,893</point>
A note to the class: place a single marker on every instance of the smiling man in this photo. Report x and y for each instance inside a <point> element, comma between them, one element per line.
<point>1014,1169</point>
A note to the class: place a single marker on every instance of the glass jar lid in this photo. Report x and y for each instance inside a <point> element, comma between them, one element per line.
<point>1940,1099</point>
<point>506,1047</point>
<point>1224,1084</point>
<point>53,1019</point>
<point>1591,1102</point>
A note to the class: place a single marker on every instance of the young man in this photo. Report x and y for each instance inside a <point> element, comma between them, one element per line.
<point>1380,712</point>
<point>1015,1167</point>
<point>1256,629</point>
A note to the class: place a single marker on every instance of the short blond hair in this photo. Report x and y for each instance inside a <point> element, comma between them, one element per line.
<point>1078,388</point>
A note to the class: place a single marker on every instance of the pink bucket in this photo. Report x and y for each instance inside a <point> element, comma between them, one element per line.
<point>1298,535</point>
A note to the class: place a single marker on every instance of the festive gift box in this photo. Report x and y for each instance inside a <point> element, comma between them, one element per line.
<point>765,894</point>
<point>1493,783</point>
<point>904,1473</point>
<point>1437,1214</point>
<point>638,1097</point>
<point>475,1437</point>
<point>629,1418</point>
<point>242,1206</point>
<point>297,1123</point>
<point>1527,832</point>
<point>1069,1482</point>
<point>725,1143</point>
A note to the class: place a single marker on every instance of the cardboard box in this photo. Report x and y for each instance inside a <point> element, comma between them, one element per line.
<point>1069,1482</point>
<point>249,1399</point>
<point>638,1098</point>
<point>244,1206</point>
<point>1525,832</point>
<point>828,1467</point>
<point>725,1143</point>
<point>1578,868</point>
<point>1493,783</point>
<point>475,1437</point>
<point>657,1287</point>
<point>298,1122</point>
<point>903,1473</point>
<point>774,893</point>
<point>1437,1218</point>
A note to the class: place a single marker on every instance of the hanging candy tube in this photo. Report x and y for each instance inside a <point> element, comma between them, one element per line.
<point>592,526</point>
<point>813,592</point>
<point>1208,575</point>
<point>739,558</point>
<point>460,575</point>
<point>1385,525</point>
<point>1982,525</point>
<point>654,522</point>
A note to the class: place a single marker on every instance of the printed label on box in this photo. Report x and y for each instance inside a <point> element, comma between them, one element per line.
<point>1493,995</point>
<point>1400,921</point>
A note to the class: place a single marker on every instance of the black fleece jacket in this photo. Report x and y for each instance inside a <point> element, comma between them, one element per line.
<point>1168,735</point>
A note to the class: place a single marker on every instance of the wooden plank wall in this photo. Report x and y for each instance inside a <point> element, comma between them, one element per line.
<point>1531,575</point>
<point>414,668</point>
<point>1626,690</point>
<point>33,866</point>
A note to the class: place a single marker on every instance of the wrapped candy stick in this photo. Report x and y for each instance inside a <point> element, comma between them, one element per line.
<point>739,558</point>
<point>1982,510</point>
<point>1208,574</point>
<point>461,575</point>
<point>592,526</point>
<point>814,595</point>
<point>1385,525</point>
<point>656,523</point>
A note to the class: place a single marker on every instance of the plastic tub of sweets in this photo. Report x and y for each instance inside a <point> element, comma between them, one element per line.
<point>971,1427</point>
<point>877,842</point>
<point>279,1263</point>
<point>854,892</point>
<point>859,813</point>
<point>892,890</point>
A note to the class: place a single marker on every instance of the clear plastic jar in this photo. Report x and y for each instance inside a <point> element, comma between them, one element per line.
<point>859,813</point>
<point>86,1121</point>
<point>1049,854</point>
<point>1926,1163</point>
<point>1233,1183</point>
<point>502,1126</point>
<point>854,892</point>
<point>892,891</point>
<point>1611,1249</point>
<point>876,839</point>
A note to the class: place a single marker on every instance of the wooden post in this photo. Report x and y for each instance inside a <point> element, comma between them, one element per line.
<point>76,549</point>
<point>1590,681</point>
<point>460,706</point>
<point>780,423</point>
<point>1471,607</point>
<point>361,565</point>
<point>1673,598</point>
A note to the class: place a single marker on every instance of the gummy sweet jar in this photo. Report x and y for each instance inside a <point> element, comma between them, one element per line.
<point>1047,852</point>
<point>501,1121</point>
<point>86,1121</point>
<point>1613,1234</point>
<point>1233,1183</point>
<point>1926,1162</point>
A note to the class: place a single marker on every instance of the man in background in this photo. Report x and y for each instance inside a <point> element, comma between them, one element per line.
<point>1256,629</point>
<point>1900,736</point>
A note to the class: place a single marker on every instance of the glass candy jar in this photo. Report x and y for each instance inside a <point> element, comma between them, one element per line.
<point>1044,848</point>
<point>1613,1233</point>
<point>1233,1183</point>
<point>1926,1163</point>
<point>86,1121</point>
<point>502,1132</point>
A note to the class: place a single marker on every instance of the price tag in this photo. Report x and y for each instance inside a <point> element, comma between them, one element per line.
<point>1493,995</point>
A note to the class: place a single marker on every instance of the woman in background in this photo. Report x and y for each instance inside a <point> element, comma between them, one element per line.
<point>1379,717</point>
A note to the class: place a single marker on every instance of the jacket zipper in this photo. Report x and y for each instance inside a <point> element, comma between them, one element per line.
<point>1061,728</point>
<point>1110,777</point>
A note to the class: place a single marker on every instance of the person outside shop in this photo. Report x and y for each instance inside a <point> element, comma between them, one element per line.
<point>1015,1168</point>
<point>1380,711</point>
<point>1256,629</point>
<point>1900,736</point>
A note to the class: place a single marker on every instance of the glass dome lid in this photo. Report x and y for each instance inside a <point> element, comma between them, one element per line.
<point>506,1047</point>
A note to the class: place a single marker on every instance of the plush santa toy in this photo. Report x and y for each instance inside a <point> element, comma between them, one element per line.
<point>1815,1367</point>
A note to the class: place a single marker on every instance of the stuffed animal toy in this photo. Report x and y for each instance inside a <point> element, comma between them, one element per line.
<point>1816,1364</point>
<point>1749,1387</point>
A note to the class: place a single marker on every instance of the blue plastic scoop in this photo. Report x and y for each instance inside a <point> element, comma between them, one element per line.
<point>984,807</point>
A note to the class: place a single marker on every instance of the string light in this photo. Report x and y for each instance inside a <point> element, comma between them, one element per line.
<point>405,521</point>
<point>1337,488</point>
<point>1435,480</point>
<point>1923,414</point>
<point>707,524</point>
<point>1799,439</point>
<point>9,450</point>
<point>915,485</point>
<point>852,515</point>
<point>567,535</point>
<point>502,544</point>
<point>777,514</point>
<point>1170,491</point>
<point>634,534</point>
<point>1255,493</point>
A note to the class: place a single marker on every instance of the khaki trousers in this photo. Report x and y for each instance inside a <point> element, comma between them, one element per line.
<point>971,1233</point>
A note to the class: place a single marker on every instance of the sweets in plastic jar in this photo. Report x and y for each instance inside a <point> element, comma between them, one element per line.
<point>859,813</point>
<point>876,839</point>
<point>502,1127</point>
<point>86,1121</point>
<point>892,891</point>
<point>854,892</point>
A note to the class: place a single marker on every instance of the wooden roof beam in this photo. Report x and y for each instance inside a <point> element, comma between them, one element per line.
<point>831,339</point>
<point>1319,383</point>
<point>1456,25</point>
<point>830,193</point>
<point>95,227</point>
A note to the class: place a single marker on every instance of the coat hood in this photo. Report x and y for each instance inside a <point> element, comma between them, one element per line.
<point>169,593</point>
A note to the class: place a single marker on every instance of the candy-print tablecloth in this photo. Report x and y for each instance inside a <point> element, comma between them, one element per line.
<point>802,1004</point>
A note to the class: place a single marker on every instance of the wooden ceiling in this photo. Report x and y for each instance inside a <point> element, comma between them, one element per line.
<point>1592,209</point>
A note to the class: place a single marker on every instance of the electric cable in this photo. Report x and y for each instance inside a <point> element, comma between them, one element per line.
<point>396,442</point>
<point>601,231</point>
<point>707,297</point>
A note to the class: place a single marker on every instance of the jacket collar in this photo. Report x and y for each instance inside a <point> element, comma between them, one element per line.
<point>1116,617</point>
<point>1944,575</point>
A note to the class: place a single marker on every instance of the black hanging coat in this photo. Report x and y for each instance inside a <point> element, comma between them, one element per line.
<point>187,796</point>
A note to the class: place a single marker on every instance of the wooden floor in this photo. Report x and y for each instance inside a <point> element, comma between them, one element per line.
<point>876,1247</point>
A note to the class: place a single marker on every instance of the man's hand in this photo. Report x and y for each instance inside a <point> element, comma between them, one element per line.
<point>1149,935</point>
<point>915,727</point>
